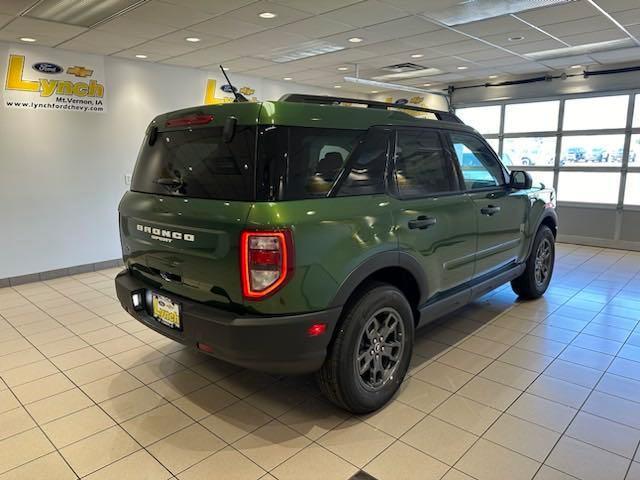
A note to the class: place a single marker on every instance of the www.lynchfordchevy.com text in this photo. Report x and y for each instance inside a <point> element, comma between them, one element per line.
<point>62,103</point>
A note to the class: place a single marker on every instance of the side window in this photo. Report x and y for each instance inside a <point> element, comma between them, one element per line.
<point>479,167</point>
<point>367,167</point>
<point>422,166</point>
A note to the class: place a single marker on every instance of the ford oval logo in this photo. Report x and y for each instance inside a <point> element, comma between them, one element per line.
<point>228,88</point>
<point>44,67</point>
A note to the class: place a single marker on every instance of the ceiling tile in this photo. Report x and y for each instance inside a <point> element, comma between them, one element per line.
<point>492,26</point>
<point>435,38</point>
<point>130,54</point>
<point>394,46</point>
<point>284,14</point>
<point>228,27</point>
<point>206,40</point>
<point>213,7</point>
<point>568,61</point>
<point>169,49</point>
<point>47,33</point>
<point>124,25</point>
<point>157,11</point>
<point>420,6</point>
<point>15,7</point>
<point>402,27</point>
<point>315,6</point>
<point>593,37</point>
<point>246,63</point>
<point>560,13</point>
<point>540,46</point>
<point>521,68</point>
<point>103,43</point>
<point>528,35</point>
<point>617,5</point>
<point>314,27</point>
<point>628,17</point>
<point>486,54</point>
<point>622,55</point>
<point>579,26</point>
<point>4,19</point>
<point>365,13</point>
<point>461,48</point>
<point>202,58</point>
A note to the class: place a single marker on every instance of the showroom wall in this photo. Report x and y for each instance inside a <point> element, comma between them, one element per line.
<point>63,173</point>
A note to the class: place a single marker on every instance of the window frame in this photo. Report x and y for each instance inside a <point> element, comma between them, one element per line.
<point>394,190</point>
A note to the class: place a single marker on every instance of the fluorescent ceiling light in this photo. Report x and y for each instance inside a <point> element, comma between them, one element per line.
<point>267,15</point>
<point>417,55</point>
<point>192,39</point>
<point>581,49</point>
<point>462,67</point>
<point>343,69</point>
<point>27,39</point>
<point>387,86</point>
<point>141,56</point>
<point>287,78</point>
<point>85,13</point>
<point>474,10</point>
<point>355,39</point>
<point>299,51</point>
<point>423,72</point>
<point>337,86</point>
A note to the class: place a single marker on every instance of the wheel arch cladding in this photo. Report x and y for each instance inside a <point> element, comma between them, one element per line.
<point>396,268</point>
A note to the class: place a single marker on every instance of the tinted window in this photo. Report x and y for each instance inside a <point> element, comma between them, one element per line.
<point>422,167</point>
<point>366,175</point>
<point>480,169</point>
<point>297,163</point>
<point>197,163</point>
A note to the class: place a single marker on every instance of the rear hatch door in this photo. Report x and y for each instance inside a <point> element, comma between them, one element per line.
<point>191,192</point>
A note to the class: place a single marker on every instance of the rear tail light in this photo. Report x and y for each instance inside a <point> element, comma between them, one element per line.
<point>266,261</point>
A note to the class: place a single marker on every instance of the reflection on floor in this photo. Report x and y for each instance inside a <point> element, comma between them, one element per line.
<point>499,390</point>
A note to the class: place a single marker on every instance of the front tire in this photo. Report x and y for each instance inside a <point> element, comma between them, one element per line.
<point>370,355</point>
<point>536,277</point>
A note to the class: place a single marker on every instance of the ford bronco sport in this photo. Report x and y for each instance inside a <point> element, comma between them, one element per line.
<point>307,236</point>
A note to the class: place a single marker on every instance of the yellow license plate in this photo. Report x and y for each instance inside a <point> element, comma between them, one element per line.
<point>166,311</point>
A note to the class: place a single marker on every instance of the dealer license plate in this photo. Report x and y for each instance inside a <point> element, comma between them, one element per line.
<point>166,311</point>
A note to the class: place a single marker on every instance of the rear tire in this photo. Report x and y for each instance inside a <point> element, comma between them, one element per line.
<point>371,351</point>
<point>535,279</point>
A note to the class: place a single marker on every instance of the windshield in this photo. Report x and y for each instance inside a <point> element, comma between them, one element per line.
<point>198,163</point>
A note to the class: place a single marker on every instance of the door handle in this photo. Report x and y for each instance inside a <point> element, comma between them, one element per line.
<point>490,210</point>
<point>422,222</point>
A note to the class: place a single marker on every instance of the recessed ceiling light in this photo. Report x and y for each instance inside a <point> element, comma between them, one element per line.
<point>374,91</point>
<point>516,38</point>
<point>462,67</point>
<point>493,76</point>
<point>426,84</point>
<point>226,68</point>
<point>343,69</point>
<point>337,86</point>
<point>192,39</point>
<point>267,15</point>
<point>576,66</point>
<point>287,78</point>
<point>417,55</point>
<point>356,39</point>
<point>28,39</point>
<point>141,56</point>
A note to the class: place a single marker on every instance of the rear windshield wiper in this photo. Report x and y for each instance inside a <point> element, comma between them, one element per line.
<point>170,182</point>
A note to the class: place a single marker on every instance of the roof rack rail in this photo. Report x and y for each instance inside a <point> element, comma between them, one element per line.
<point>327,99</point>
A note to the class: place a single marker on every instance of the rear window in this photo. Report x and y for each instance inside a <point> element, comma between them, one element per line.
<point>197,163</point>
<point>299,162</point>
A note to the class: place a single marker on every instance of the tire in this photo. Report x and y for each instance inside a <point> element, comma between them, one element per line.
<point>531,284</point>
<point>339,378</point>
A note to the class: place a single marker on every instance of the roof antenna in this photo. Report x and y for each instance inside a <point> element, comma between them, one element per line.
<point>239,96</point>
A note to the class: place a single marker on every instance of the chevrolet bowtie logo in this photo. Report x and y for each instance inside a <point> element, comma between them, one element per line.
<point>79,71</point>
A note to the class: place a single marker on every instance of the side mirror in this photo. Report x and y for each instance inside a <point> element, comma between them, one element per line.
<point>520,180</point>
<point>229,129</point>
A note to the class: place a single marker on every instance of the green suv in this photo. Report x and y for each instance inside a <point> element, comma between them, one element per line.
<point>316,234</point>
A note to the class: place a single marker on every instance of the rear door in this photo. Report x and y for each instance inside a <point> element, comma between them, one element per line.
<point>500,211</point>
<point>190,196</point>
<point>436,221</point>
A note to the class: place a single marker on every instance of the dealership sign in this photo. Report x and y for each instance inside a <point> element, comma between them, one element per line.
<point>55,80</point>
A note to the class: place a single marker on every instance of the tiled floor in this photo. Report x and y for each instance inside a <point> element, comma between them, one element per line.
<point>548,389</point>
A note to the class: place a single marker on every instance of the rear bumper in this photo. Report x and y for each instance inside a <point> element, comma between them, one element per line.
<point>273,344</point>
